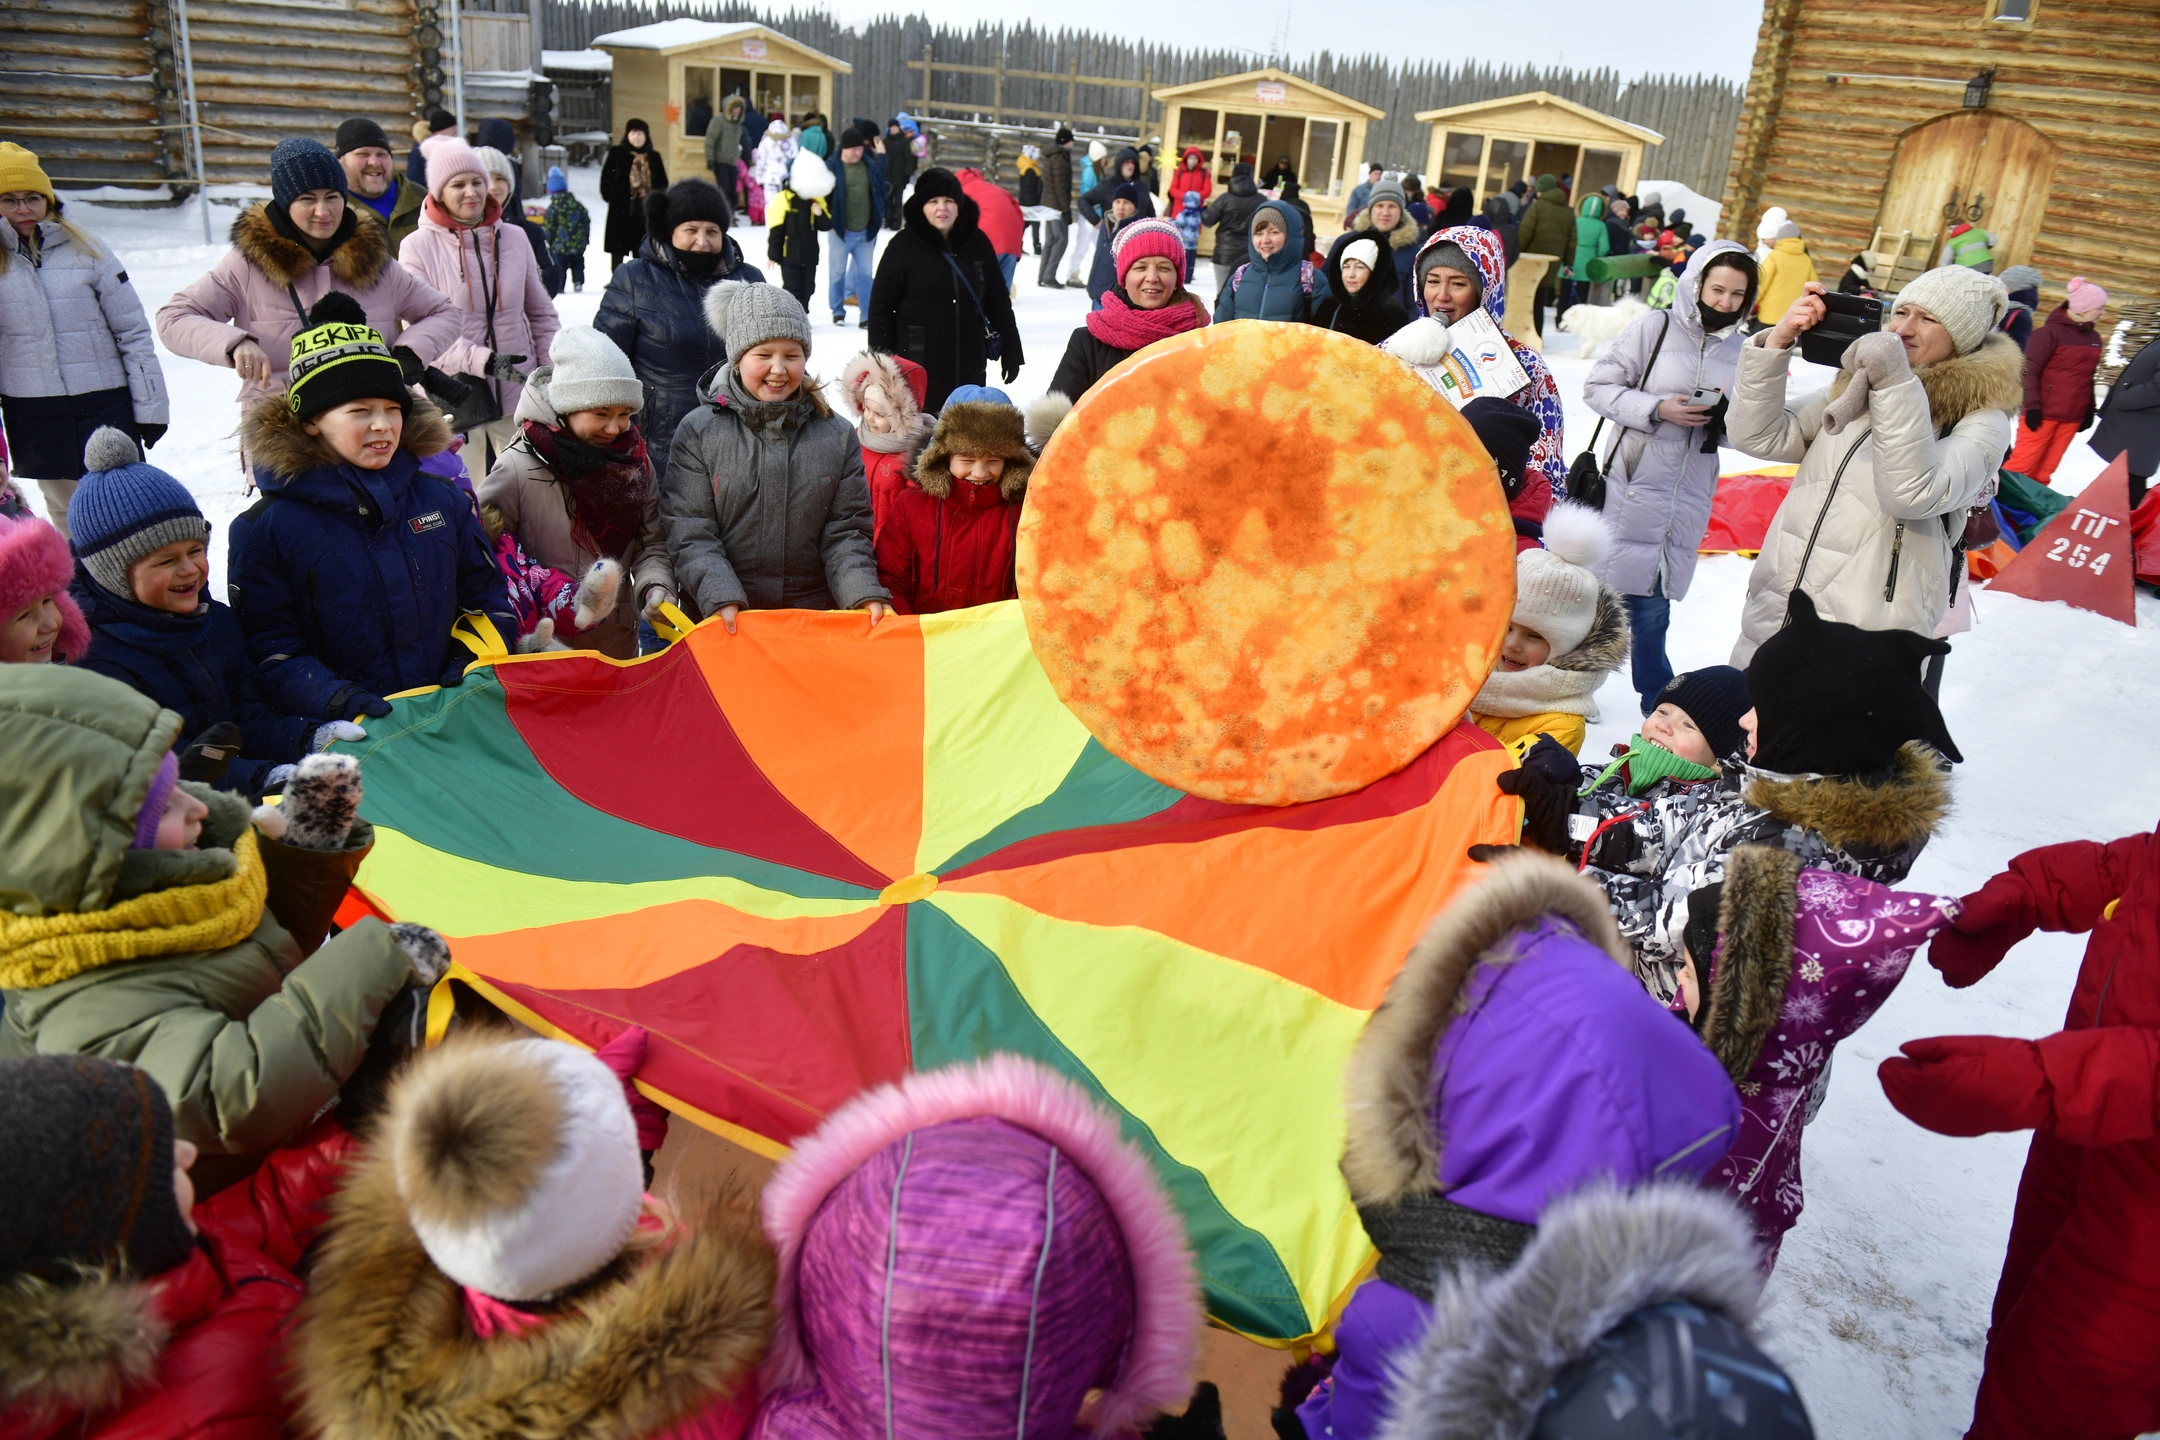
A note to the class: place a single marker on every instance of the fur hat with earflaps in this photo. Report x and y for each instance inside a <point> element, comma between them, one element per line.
<point>884,395</point>
<point>975,424</point>
<point>34,564</point>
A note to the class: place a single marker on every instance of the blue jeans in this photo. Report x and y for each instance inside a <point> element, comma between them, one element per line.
<point>1648,616</point>
<point>849,256</point>
<point>1006,265</point>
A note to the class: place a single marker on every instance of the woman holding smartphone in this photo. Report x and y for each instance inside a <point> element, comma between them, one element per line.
<point>1664,383</point>
<point>1903,444</point>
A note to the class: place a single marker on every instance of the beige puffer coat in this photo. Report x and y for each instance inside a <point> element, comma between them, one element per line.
<point>1869,525</point>
<point>536,508</point>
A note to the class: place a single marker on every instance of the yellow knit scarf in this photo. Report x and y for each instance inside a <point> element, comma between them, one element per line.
<point>46,949</point>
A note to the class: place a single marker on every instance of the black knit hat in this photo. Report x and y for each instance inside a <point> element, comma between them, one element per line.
<point>683,202</point>
<point>361,133</point>
<point>439,121</point>
<point>1714,697</point>
<point>338,358</point>
<point>90,1169</point>
<point>1834,699</point>
<point>1507,431</point>
<point>850,138</point>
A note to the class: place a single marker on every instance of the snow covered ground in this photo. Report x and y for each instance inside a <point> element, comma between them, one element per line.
<point>1880,1302</point>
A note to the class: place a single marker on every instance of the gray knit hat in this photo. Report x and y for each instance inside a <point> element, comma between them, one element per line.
<point>1387,190</point>
<point>590,373</point>
<point>745,315</point>
<point>1968,303</point>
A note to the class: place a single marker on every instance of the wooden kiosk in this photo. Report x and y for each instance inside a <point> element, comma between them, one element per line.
<point>673,73</point>
<point>1487,146</point>
<point>1259,116</point>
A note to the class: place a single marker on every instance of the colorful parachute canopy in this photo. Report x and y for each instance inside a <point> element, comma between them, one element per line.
<point>812,855</point>
<point>1742,509</point>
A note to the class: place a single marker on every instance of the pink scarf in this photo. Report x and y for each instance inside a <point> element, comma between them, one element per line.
<point>1124,325</point>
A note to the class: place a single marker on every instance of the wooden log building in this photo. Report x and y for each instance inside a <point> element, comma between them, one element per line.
<point>97,88</point>
<point>2037,120</point>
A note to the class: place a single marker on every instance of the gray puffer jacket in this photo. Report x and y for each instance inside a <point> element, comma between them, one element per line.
<point>767,524</point>
<point>1658,492</point>
<point>1869,524</point>
<point>71,324</point>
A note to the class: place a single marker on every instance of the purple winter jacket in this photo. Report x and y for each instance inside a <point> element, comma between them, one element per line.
<point>1852,939</point>
<point>1561,1071</point>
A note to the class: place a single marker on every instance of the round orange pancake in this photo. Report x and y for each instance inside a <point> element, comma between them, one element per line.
<point>1266,563</point>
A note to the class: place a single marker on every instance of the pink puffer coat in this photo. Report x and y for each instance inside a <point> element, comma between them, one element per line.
<point>491,262</point>
<point>250,294</point>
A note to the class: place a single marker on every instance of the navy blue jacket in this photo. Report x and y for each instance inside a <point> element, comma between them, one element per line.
<point>198,666</point>
<point>654,311</point>
<point>837,201</point>
<point>348,579</point>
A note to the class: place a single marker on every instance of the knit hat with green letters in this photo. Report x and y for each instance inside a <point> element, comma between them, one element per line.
<point>338,358</point>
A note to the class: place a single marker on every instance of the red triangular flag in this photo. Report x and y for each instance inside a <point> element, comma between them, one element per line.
<point>2082,556</point>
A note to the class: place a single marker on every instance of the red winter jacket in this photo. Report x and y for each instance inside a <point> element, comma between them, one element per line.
<point>1189,177</point>
<point>949,554</point>
<point>1001,221</point>
<point>219,1375</point>
<point>2059,363</point>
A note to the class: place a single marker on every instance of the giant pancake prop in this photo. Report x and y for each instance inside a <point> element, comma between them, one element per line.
<point>1168,823</point>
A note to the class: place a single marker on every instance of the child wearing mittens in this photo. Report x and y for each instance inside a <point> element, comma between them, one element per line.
<point>764,505</point>
<point>1568,632</point>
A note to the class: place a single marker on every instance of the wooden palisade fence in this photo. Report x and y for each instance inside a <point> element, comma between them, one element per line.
<point>1028,74</point>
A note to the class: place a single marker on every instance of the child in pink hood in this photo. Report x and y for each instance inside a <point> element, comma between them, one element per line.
<point>39,620</point>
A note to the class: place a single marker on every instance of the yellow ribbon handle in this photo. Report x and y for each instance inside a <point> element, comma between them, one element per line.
<point>670,624</point>
<point>478,634</point>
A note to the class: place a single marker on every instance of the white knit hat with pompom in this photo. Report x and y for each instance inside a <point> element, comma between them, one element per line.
<point>1556,591</point>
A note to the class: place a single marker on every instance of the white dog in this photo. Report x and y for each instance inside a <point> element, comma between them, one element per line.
<point>1597,326</point>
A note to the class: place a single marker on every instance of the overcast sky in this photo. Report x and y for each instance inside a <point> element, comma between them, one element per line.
<point>1709,37</point>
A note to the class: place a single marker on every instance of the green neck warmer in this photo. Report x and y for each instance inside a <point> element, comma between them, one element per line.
<point>1647,763</point>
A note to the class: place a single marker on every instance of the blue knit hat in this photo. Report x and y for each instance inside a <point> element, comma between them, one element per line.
<point>299,165</point>
<point>125,508</point>
<point>557,182</point>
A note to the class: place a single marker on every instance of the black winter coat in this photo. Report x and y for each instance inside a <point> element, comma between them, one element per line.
<point>1096,203</point>
<point>197,666</point>
<point>625,214</point>
<point>919,307</point>
<point>2130,421</point>
<point>654,311</point>
<point>1231,214</point>
<point>1372,314</point>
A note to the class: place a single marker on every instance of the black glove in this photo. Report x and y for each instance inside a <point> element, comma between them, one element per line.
<point>1546,784</point>
<point>410,366</point>
<point>352,698</point>
<point>2032,420</point>
<point>1615,849</point>
<point>1202,1419</point>
<point>504,368</point>
<point>148,434</point>
<point>445,389</point>
<point>1010,369</point>
<point>206,759</point>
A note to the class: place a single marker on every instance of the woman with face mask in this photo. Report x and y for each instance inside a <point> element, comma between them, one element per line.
<point>1665,465</point>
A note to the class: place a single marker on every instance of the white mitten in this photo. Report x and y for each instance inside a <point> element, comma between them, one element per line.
<point>1424,341</point>
<point>598,593</point>
<point>542,638</point>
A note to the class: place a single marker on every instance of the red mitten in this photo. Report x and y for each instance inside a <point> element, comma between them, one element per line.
<point>1990,921</point>
<point>1969,1084</point>
<point>625,1055</point>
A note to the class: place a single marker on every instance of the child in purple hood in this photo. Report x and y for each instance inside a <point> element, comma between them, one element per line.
<point>975,1253</point>
<point>1514,1062</point>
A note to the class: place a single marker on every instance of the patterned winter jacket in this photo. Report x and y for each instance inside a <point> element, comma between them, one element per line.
<point>1651,854</point>
<point>567,225</point>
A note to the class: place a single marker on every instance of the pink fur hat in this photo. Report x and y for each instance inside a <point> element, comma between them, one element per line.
<point>447,157</point>
<point>34,563</point>
<point>969,1246</point>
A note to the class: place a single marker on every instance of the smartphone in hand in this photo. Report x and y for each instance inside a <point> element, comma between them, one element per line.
<point>1706,398</point>
<point>1845,319</point>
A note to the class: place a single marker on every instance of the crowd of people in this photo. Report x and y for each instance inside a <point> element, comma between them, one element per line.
<point>1575,1127</point>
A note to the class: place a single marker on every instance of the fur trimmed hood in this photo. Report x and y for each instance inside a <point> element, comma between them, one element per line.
<point>76,1347</point>
<point>1758,901</point>
<point>357,263</point>
<point>35,562</point>
<point>1606,646</point>
<point>277,441</point>
<point>892,384</point>
<point>1403,237</point>
<point>976,427</point>
<point>383,1333</point>
<point>1162,1348</point>
<point>1498,1343</point>
<point>1566,684</point>
<point>1990,378</point>
<point>1044,414</point>
<point>1879,813</point>
<point>1390,1152</point>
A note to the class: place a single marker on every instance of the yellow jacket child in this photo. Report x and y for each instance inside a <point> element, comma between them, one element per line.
<point>1784,272</point>
<point>1569,631</point>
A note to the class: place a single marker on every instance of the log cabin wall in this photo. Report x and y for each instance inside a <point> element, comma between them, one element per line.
<point>2083,74</point>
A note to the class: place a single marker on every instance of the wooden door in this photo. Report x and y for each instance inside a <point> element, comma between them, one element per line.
<point>1993,167</point>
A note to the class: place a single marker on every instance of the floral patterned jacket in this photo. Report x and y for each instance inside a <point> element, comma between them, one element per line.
<point>1803,958</point>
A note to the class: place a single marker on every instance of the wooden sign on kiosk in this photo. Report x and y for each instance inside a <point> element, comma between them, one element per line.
<point>2082,557</point>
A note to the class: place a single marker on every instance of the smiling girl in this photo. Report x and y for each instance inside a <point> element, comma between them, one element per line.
<point>39,622</point>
